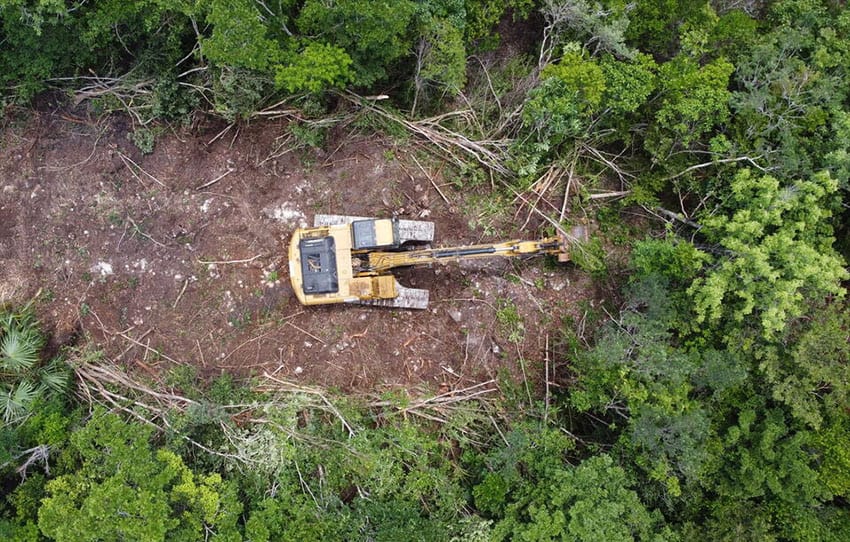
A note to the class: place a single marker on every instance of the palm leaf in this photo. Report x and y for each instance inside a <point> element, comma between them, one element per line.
<point>14,403</point>
<point>19,349</point>
<point>7,321</point>
<point>54,376</point>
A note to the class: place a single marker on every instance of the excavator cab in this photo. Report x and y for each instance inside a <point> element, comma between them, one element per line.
<point>374,233</point>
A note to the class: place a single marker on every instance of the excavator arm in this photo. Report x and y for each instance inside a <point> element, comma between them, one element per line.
<point>380,262</point>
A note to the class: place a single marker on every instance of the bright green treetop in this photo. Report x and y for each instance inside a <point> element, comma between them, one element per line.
<point>124,490</point>
<point>776,251</point>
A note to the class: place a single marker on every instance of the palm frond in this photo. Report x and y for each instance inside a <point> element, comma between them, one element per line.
<point>54,376</point>
<point>7,321</point>
<point>14,402</point>
<point>19,349</point>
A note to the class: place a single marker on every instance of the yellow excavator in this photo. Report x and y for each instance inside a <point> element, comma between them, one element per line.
<point>348,259</point>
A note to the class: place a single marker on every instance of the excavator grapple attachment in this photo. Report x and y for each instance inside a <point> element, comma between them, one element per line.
<point>577,236</point>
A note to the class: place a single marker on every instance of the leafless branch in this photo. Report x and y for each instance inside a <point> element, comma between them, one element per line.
<point>752,162</point>
<point>212,182</point>
<point>491,154</point>
<point>127,159</point>
<point>220,262</point>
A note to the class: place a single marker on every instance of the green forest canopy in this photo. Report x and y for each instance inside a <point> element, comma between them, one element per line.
<point>712,401</point>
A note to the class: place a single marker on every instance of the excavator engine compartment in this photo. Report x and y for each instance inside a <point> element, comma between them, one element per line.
<point>318,265</point>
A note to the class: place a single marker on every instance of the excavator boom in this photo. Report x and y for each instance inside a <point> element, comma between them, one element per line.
<point>380,262</point>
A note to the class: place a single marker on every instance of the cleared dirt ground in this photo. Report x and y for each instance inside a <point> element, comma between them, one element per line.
<point>121,247</point>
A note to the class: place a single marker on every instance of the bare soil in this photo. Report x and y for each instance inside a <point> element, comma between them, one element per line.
<point>119,244</point>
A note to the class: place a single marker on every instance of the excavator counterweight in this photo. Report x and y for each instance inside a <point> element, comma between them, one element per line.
<point>347,259</point>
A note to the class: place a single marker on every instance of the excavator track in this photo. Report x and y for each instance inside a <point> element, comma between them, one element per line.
<point>418,231</point>
<point>407,298</point>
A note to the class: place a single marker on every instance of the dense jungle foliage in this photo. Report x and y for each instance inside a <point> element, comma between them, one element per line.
<point>712,399</point>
